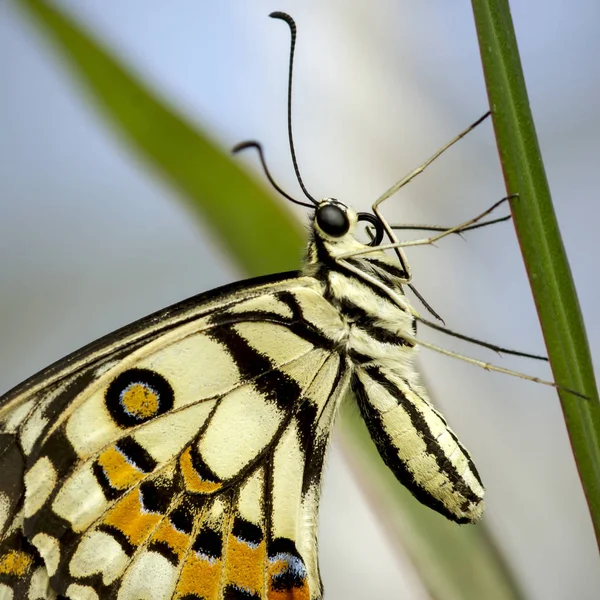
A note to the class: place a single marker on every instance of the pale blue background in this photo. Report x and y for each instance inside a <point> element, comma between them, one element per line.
<point>91,239</point>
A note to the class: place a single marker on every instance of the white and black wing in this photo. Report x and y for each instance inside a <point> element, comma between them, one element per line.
<point>178,458</point>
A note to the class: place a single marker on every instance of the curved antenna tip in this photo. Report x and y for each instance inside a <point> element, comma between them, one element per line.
<point>243,145</point>
<point>292,25</point>
<point>258,147</point>
<point>283,16</point>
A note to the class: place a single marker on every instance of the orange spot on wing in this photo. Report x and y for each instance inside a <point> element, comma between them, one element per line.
<point>140,400</point>
<point>276,591</point>
<point>201,577</point>
<point>193,481</point>
<point>245,565</point>
<point>177,540</point>
<point>296,593</point>
<point>302,593</point>
<point>15,562</point>
<point>121,474</point>
<point>129,517</point>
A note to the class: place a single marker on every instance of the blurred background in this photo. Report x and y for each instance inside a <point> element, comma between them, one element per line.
<point>91,239</point>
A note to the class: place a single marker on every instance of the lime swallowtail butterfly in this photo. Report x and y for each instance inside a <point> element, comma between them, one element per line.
<point>181,456</point>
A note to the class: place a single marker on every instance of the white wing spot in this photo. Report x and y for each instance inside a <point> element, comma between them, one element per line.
<point>4,511</point>
<point>32,429</point>
<point>88,440</point>
<point>263,303</point>
<point>80,499</point>
<point>16,416</point>
<point>98,552</point>
<point>39,483</point>
<point>49,549</point>
<point>39,587</point>
<point>81,592</point>
<point>150,577</point>
<point>226,448</point>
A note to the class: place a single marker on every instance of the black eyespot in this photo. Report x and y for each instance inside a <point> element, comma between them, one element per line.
<point>138,395</point>
<point>332,219</point>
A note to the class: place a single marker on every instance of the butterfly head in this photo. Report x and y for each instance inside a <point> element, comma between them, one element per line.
<point>334,226</point>
<point>335,222</point>
<point>334,241</point>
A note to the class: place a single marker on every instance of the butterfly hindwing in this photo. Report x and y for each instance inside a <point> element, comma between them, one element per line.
<point>176,460</point>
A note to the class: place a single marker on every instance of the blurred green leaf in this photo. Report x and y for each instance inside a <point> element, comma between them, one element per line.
<point>541,244</point>
<point>248,221</point>
<point>457,563</point>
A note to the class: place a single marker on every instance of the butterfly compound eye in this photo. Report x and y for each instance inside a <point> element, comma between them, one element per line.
<point>332,219</point>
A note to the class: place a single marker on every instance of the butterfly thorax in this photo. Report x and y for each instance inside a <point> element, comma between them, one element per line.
<point>365,289</point>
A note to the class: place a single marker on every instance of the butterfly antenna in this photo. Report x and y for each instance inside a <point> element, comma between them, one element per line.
<point>426,304</point>
<point>400,184</point>
<point>252,144</point>
<point>494,347</point>
<point>442,228</point>
<point>292,25</point>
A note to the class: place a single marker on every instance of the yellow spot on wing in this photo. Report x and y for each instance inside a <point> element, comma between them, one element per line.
<point>140,401</point>
<point>15,563</point>
<point>17,415</point>
<point>245,565</point>
<point>288,470</point>
<point>121,474</point>
<point>176,540</point>
<point>250,497</point>
<point>201,577</point>
<point>218,370</point>
<point>129,517</point>
<point>193,481</point>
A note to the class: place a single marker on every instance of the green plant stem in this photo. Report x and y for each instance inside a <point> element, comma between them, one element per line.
<point>537,230</point>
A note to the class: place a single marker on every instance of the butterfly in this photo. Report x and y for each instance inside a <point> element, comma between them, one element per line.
<point>181,456</point>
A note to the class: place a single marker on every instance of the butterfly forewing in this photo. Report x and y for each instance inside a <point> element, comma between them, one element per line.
<point>181,457</point>
<point>194,451</point>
